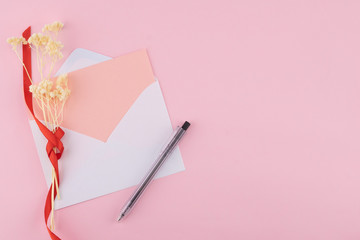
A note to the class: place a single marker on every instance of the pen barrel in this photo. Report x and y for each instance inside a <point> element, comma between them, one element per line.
<point>169,147</point>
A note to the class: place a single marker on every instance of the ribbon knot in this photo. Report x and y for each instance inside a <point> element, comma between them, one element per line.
<point>54,149</point>
<point>55,143</point>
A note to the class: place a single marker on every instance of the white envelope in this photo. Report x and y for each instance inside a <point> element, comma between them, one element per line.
<point>89,167</point>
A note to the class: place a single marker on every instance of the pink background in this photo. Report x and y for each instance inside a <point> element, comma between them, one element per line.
<point>273,94</point>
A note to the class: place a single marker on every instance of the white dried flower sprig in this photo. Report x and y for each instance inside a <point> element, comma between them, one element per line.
<point>54,27</point>
<point>45,90</point>
<point>48,52</point>
<point>50,96</point>
<point>15,41</point>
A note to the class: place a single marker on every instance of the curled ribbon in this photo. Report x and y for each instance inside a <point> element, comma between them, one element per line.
<point>54,147</point>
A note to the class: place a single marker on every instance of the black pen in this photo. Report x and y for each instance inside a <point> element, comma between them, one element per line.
<point>169,147</point>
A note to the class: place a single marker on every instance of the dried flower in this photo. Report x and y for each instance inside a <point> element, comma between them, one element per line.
<point>14,41</point>
<point>44,39</point>
<point>35,39</point>
<point>45,90</point>
<point>53,94</point>
<point>53,49</point>
<point>50,95</point>
<point>62,87</point>
<point>62,80</point>
<point>54,27</point>
<point>33,88</point>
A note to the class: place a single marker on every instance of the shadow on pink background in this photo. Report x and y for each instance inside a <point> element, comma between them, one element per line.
<point>273,94</point>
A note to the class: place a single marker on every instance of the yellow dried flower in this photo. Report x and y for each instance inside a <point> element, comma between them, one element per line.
<point>38,39</point>
<point>48,85</point>
<point>44,39</point>
<point>42,91</point>
<point>53,94</point>
<point>53,27</point>
<point>35,39</point>
<point>33,88</point>
<point>53,48</point>
<point>14,41</point>
<point>63,94</point>
<point>45,89</point>
<point>62,80</point>
<point>62,87</point>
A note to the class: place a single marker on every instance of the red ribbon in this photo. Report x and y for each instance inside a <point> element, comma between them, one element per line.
<point>54,139</point>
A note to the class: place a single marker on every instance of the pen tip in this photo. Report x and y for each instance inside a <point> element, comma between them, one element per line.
<point>121,216</point>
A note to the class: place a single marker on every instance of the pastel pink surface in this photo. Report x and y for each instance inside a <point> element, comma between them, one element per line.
<point>103,93</point>
<point>271,89</point>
